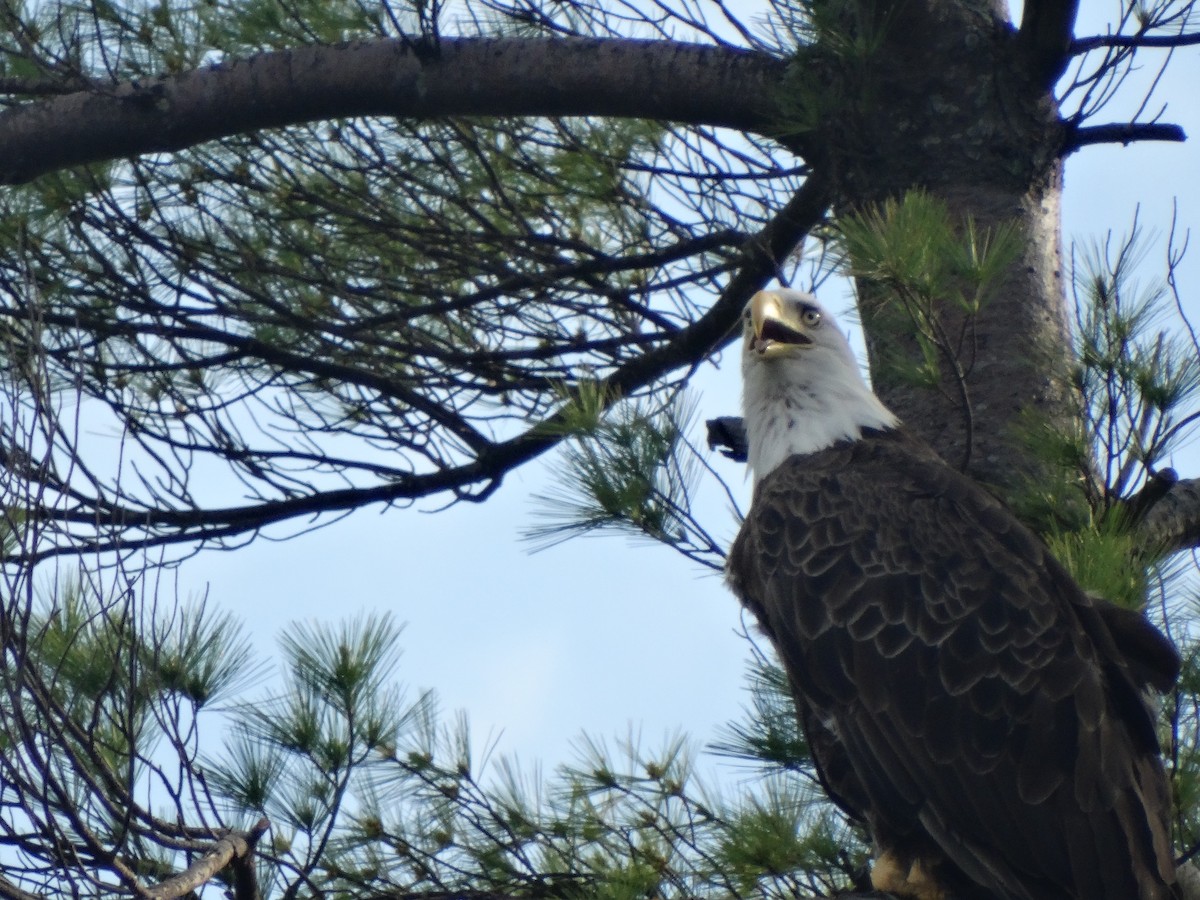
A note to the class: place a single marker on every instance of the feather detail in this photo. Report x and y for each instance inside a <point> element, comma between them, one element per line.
<point>962,697</point>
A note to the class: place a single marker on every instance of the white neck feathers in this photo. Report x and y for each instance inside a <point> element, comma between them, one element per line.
<point>802,403</point>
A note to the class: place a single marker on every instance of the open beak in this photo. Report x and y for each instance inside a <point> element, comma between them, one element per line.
<point>774,325</point>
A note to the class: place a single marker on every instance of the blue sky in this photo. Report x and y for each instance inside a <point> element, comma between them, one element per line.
<point>605,635</point>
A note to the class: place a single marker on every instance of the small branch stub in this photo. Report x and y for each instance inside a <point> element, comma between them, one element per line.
<point>728,435</point>
<point>1123,133</point>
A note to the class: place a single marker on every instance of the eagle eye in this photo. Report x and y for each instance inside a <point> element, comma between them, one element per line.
<point>810,316</point>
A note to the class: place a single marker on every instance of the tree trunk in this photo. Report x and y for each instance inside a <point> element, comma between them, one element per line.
<point>979,133</point>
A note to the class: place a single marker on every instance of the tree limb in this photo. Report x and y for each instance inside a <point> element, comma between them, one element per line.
<point>692,83</point>
<point>236,847</point>
<point>134,529</point>
<point>1158,41</point>
<point>9,891</point>
<point>1173,521</point>
<point>1122,133</point>
<point>1045,37</point>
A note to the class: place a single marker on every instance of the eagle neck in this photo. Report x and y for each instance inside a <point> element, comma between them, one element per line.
<point>790,408</point>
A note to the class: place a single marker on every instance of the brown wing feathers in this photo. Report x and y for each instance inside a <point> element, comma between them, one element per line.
<point>988,712</point>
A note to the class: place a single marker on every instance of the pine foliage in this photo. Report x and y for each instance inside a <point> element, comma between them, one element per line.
<point>352,304</point>
<point>113,749</point>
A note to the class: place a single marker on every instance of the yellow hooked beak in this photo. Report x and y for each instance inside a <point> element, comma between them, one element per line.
<point>776,325</point>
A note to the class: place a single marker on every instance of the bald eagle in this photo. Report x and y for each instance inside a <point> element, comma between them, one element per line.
<point>963,698</point>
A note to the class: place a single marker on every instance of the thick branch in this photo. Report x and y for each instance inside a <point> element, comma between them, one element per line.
<point>1045,37</point>
<point>1122,133</point>
<point>231,848</point>
<point>680,82</point>
<point>1173,522</point>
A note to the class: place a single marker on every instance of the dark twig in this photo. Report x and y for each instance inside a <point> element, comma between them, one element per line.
<point>9,891</point>
<point>1133,41</point>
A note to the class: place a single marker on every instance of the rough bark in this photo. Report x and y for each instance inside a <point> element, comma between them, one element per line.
<point>1173,521</point>
<point>980,131</point>
<point>236,848</point>
<point>1045,38</point>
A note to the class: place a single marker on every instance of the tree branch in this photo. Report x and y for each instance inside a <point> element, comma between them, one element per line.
<point>236,847</point>
<point>1173,521</point>
<point>1122,133</point>
<point>9,891</point>
<point>132,529</point>
<point>692,83</point>
<point>39,86</point>
<point>1160,41</point>
<point>1045,38</point>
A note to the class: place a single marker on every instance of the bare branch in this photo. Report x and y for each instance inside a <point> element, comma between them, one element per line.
<point>693,83</point>
<point>9,891</point>
<point>235,847</point>
<point>37,87</point>
<point>1123,133</point>
<point>1133,41</point>
<point>129,529</point>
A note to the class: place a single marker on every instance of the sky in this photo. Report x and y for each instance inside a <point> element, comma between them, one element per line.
<point>608,635</point>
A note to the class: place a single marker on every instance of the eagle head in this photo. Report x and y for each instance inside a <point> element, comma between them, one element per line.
<point>802,390</point>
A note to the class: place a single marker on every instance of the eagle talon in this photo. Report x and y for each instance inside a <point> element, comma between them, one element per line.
<point>910,879</point>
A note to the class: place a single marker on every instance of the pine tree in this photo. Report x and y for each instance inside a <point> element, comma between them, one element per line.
<point>357,253</point>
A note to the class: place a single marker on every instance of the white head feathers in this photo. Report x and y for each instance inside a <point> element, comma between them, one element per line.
<point>801,387</point>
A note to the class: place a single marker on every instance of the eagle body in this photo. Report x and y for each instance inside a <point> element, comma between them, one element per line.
<point>962,696</point>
